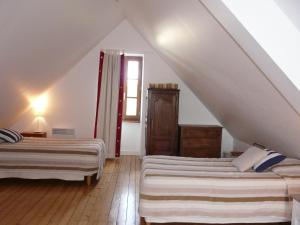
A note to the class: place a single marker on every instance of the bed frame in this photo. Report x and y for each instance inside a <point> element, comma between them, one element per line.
<point>143,222</point>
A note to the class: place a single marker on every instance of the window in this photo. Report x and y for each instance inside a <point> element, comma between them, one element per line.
<point>132,90</point>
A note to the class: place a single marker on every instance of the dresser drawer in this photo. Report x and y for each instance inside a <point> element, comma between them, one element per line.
<point>201,133</point>
<point>200,143</point>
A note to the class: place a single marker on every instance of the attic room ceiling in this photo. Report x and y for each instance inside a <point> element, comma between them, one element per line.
<point>41,40</point>
<point>292,9</point>
<point>220,72</point>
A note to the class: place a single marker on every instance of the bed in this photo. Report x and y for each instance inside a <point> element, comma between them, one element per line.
<point>50,158</point>
<point>197,190</point>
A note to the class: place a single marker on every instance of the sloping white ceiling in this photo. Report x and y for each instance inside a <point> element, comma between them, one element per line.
<point>219,71</point>
<point>292,9</point>
<point>40,40</point>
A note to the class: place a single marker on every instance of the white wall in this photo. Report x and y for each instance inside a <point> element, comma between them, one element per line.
<point>72,99</point>
<point>240,146</point>
<point>131,139</point>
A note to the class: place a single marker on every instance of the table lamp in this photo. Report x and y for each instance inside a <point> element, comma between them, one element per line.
<point>39,105</point>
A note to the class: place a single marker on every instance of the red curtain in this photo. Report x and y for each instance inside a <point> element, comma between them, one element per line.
<point>98,91</point>
<point>120,108</point>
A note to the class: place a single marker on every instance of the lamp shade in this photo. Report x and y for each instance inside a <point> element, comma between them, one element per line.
<point>39,104</point>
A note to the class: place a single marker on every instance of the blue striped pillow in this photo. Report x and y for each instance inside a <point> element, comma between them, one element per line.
<point>10,136</point>
<point>270,160</point>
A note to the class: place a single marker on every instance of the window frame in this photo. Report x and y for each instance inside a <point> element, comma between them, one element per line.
<point>137,117</point>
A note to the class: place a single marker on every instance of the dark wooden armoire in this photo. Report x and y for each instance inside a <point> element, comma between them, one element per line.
<point>162,122</point>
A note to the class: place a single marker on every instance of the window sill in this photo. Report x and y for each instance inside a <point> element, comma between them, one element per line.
<point>131,121</point>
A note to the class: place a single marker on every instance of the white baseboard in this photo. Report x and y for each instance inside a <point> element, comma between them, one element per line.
<point>128,152</point>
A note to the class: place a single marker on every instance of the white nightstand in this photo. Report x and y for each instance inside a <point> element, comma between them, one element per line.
<point>296,210</point>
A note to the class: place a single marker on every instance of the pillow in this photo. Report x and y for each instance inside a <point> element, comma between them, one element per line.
<point>288,167</point>
<point>10,136</point>
<point>249,158</point>
<point>270,160</point>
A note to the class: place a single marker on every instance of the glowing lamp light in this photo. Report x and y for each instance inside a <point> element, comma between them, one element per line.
<point>39,104</point>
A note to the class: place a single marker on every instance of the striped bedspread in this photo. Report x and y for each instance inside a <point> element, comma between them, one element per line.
<point>47,158</point>
<point>197,190</point>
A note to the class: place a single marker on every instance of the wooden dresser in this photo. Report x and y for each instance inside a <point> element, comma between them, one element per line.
<point>201,141</point>
<point>162,122</point>
<point>34,134</point>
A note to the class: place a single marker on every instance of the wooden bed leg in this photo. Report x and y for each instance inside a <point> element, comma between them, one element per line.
<point>143,221</point>
<point>88,180</point>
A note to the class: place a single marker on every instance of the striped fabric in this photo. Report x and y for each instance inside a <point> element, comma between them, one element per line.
<point>46,158</point>
<point>270,160</point>
<point>10,136</point>
<point>289,169</point>
<point>197,190</point>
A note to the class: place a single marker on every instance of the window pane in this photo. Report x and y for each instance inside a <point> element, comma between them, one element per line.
<point>133,70</point>
<point>132,88</point>
<point>131,106</point>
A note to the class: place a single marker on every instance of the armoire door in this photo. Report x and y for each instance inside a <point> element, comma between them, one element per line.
<point>162,122</point>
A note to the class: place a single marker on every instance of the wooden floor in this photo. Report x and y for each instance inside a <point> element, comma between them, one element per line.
<point>113,200</point>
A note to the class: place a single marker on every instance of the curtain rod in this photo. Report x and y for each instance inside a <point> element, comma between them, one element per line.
<point>122,51</point>
<point>127,51</point>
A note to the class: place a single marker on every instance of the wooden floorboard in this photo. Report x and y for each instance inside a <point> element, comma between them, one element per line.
<point>111,201</point>
<point>137,185</point>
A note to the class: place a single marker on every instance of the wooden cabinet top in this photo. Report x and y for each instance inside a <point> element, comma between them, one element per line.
<point>200,126</point>
<point>34,134</point>
<point>163,89</point>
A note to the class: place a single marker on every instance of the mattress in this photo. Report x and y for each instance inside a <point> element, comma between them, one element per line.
<point>198,190</point>
<point>49,158</point>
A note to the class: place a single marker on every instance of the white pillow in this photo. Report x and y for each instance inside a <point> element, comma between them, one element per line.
<point>249,158</point>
